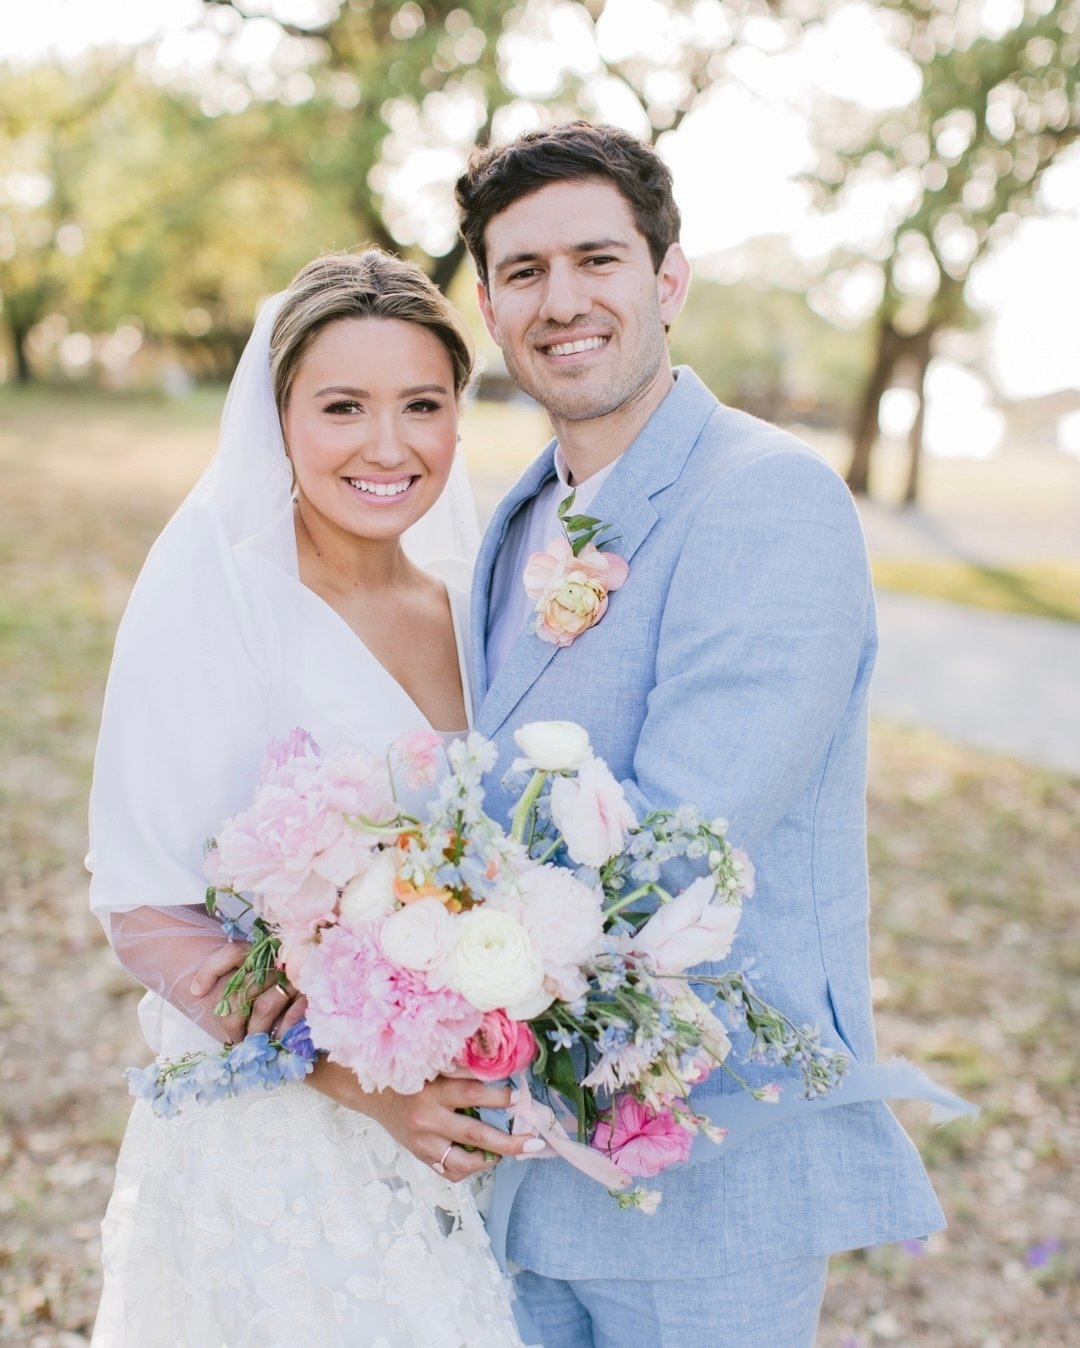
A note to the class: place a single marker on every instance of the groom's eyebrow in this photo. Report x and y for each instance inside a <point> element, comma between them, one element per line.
<point>587,246</point>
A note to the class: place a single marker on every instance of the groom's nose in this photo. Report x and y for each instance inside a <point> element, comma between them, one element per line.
<point>564,298</point>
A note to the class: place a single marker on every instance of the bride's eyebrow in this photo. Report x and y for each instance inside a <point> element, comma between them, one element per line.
<point>346,391</point>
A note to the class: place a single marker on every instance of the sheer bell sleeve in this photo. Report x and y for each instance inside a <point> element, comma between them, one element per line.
<point>183,731</point>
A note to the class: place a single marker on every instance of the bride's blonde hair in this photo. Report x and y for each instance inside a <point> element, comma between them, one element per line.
<point>371,284</point>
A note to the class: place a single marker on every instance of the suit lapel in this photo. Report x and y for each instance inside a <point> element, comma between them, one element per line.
<point>526,487</point>
<point>654,461</point>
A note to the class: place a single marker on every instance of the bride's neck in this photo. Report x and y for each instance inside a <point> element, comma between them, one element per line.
<point>331,559</point>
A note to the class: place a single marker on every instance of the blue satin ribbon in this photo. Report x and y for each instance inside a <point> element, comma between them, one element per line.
<point>743,1116</point>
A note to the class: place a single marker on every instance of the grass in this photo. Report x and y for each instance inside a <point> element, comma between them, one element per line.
<point>976,933</point>
<point>1041,589</point>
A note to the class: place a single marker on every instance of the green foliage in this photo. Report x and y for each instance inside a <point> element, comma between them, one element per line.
<point>167,203</point>
<point>994,112</point>
<point>762,348</point>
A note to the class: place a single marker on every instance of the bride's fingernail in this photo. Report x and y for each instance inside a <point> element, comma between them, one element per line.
<point>196,988</point>
<point>533,1144</point>
<point>515,1096</point>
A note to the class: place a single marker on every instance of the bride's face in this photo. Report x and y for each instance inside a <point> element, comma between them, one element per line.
<point>371,425</point>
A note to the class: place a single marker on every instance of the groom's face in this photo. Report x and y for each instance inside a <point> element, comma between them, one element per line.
<point>575,302</point>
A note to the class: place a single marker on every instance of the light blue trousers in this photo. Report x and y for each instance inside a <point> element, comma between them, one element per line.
<point>762,1306</point>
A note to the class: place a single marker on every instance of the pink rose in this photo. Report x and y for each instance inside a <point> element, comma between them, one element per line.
<point>419,753</point>
<point>643,1141</point>
<point>591,813</point>
<point>691,929</point>
<point>499,1048</point>
<point>571,593</point>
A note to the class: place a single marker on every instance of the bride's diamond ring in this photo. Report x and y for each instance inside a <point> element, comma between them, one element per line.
<point>439,1166</point>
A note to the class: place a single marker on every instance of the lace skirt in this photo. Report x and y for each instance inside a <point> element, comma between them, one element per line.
<point>282,1219</point>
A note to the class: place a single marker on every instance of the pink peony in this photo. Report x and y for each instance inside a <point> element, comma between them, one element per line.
<point>383,1023</point>
<point>294,847</point>
<point>270,850</point>
<point>499,1048</point>
<point>643,1142</point>
<point>571,593</point>
<point>692,929</point>
<point>591,813</point>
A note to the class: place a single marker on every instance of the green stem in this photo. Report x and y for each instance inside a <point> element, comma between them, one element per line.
<point>526,805</point>
<point>549,852</point>
<point>650,887</point>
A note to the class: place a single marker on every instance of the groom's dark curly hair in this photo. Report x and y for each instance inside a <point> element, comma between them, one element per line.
<point>498,175</point>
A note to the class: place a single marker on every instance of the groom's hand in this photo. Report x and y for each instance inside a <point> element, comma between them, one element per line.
<point>428,1123</point>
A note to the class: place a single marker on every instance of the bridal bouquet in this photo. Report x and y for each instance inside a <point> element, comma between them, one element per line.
<point>425,945</point>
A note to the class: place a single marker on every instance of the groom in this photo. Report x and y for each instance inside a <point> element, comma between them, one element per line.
<point>729,670</point>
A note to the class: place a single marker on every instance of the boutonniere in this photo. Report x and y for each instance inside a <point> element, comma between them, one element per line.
<point>570,580</point>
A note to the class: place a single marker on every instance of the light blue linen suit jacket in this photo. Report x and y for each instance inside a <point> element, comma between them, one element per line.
<point>730,670</point>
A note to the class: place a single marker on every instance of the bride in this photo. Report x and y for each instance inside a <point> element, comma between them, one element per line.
<point>308,580</point>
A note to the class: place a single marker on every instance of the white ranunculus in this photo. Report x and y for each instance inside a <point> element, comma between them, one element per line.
<point>592,814</point>
<point>694,928</point>
<point>418,936</point>
<point>494,963</point>
<point>553,746</point>
<point>371,894</point>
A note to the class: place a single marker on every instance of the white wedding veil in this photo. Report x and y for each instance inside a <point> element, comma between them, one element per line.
<point>188,642</point>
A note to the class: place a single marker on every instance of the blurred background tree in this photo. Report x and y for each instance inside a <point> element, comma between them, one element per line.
<point>149,198</point>
<point>964,161</point>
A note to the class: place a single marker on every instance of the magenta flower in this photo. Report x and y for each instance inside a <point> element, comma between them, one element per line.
<point>643,1141</point>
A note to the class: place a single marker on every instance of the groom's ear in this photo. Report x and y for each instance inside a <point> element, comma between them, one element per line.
<point>483,299</point>
<point>672,283</point>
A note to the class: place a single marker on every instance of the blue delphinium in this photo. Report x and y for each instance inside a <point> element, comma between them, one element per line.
<point>257,1062</point>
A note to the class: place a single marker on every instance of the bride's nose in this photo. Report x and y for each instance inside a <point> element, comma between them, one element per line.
<point>385,444</point>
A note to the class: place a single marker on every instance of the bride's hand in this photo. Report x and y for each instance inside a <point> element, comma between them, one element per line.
<point>276,1005</point>
<point>428,1123</point>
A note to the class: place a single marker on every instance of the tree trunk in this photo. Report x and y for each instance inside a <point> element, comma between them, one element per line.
<point>23,373</point>
<point>865,435</point>
<point>445,268</point>
<point>921,352</point>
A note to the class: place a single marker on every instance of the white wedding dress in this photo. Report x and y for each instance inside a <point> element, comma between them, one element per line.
<point>279,1218</point>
